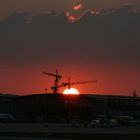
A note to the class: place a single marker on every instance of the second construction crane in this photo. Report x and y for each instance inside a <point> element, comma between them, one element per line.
<point>69,83</point>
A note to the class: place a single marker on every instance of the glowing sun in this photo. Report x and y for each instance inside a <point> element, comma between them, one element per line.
<point>71,91</point>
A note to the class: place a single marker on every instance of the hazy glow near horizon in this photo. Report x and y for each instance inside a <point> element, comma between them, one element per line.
<point>71,91</point>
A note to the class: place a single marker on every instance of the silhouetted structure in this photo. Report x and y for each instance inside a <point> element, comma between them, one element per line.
<point>134,94</point>
<point>58,107</point>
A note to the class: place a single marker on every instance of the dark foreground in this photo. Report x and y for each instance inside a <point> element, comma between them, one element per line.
<point>41,136</point>
<point>68,136</point>
<point>66,132</point>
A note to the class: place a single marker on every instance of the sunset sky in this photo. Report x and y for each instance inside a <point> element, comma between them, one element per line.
<point>84,39</point>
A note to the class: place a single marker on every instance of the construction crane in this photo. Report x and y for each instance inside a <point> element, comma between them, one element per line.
<point>56,81</point>
<point>75,83</point>
<point>56,85</point>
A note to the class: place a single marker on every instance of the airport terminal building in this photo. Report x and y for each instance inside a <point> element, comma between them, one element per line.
<point>61,108</point>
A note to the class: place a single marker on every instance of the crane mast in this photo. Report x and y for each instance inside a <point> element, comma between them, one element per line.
<point>56,81</point>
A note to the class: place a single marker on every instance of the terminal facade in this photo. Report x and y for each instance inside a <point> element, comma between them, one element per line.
<point>66,108</point>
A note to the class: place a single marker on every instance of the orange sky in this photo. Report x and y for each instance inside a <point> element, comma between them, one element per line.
<point>111,80</point>
<point>95,47</point>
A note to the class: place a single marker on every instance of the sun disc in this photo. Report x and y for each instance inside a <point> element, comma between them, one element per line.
<point>72,91</point>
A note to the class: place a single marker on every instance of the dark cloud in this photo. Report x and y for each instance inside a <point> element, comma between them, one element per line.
<point>37,6</point>
<point>110,37</point>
